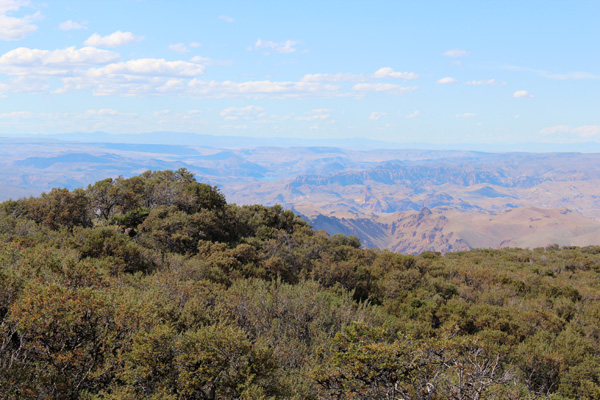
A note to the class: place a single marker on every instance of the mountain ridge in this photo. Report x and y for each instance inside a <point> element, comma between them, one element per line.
<point>364,189</point>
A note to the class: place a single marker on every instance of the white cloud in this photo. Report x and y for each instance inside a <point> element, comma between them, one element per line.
<point>234,126</point>
<point>115,39</point>
<point>376,115</point>
<point>106,119</point>
<point>261,86</point>
<point>261,89</point>
<point>149,67</point>
<point>195,44</point>
<point>413,114</point>
<point>11,5</point>
<point>103,112</point>
<point>248,112</point>
<point>24,84</point>
<point>316,114</point>
<point>16,114</point>
<point>382,87</point>
<point>72,25</point>
<point>339,77</point>
<point>179,48</point>
<point>521,94</point>
<point>584,131</point>
<point>25,61</point>
<point>489,82</point>
<point>141,77</point>
<point>465,115</point>
<point>388,72</point>
<point>555,129</point>
<point>587,130</point>
<point>15,28</point>
<point>210,62</point>
<point>281,47</point>
<point>23,56</point>
<point>99,71</point>
<point>159,77</point>
<point>161,113</point>
<point>446,80</point>
<point>226,18</point>
<point>517,116</point>
<point>456,53</point>
<point>171,86</point>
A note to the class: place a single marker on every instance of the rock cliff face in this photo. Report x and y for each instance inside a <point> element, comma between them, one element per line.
<point>446,230</point>
<point>411,176</point>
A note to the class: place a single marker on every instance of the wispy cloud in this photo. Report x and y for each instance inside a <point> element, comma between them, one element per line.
<point>383,87</point>
<point>102,72</point>
<point>226,18</point>
<point>16,115</point>
<point>376,115</point>
<point>11,5</point>
<point>103,112</point>
<point>456,53</point>
<point>210,62</point>
<point>489,82</point>
<point>584,131</point>
<point>16,28</point>
<point>558,76</point>
<point>62,62</point>
<point>446,80</point>
<point>466,115</point>
<point>519,94</point>
<point>72,25</point>
<point>179,48</point>
<point>248,112</point>
<point>413,114</point>
<point>115,39</point>
<point>316,114</point>
<point>277,47</point>
<point>150,67</point>
<point>339,77</point>
<point>388,72</point>
<point>139,77</point>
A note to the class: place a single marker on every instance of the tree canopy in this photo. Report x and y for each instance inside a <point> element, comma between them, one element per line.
<point>154,287</point>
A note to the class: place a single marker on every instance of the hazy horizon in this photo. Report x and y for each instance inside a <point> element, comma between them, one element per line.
<point>248,142</point>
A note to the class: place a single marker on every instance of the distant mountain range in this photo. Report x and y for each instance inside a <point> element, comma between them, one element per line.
<point>238,142</point>
<point>407,200</point>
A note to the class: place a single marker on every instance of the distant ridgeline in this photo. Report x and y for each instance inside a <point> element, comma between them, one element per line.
<point>153,287</point>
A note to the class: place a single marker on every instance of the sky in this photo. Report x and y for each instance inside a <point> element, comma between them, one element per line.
<point>443,72</point>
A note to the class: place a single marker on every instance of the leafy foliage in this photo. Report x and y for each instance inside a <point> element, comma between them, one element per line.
<point>153,287</point>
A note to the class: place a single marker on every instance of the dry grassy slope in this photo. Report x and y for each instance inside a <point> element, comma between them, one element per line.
<point>445,229</point>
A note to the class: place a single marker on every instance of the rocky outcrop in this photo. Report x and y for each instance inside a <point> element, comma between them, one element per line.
<point>447,230</point>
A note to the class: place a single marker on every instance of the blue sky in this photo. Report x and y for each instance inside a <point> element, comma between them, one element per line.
<point>402,71</point>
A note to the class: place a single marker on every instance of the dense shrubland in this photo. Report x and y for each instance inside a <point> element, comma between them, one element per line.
<point>153,287</point>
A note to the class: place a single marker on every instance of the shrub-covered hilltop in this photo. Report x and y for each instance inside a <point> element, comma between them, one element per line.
<point>153,287</point>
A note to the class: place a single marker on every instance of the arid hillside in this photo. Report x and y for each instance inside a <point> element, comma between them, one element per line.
<point>476,199</point>
<point>445,229</point>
